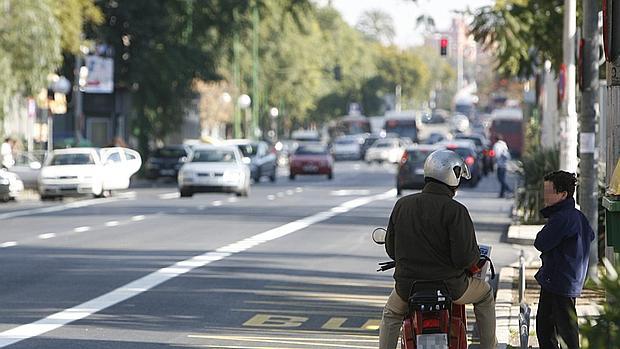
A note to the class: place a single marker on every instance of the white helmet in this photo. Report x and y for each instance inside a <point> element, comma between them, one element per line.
<point>447,167</point>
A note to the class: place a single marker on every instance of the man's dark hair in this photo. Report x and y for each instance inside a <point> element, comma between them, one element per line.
<point>562,181</point>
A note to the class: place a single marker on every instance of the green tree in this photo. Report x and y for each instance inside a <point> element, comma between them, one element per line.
<point>377,25</point>
<point>30,44</point>
<point>162,47</point>
<point>521,33</point>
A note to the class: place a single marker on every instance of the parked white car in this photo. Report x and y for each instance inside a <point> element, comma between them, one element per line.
<point>386,149</point>
<point>87,171</point>
<point>10,185</point>
<point>214,168</point>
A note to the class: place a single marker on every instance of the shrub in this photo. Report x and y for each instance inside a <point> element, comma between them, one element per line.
<point>604,331</point>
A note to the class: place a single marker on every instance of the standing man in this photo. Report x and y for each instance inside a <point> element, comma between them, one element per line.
<point>564,243</point>
<point>502,156</point>
<point>6,153</point>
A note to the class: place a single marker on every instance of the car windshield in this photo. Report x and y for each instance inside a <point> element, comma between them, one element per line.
<point>384,144</point>
<point>311,150</point>
<point>476,140</point>
<point>463,152</point>
<point>418,155</point>
<point>72,159</point>
<point>248,150</point>
<point>173,153</point>
<point>214,155</point>
<point>507,126</point>
<point>345,141</point>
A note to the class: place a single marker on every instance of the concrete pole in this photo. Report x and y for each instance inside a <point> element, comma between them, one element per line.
<point>78,108</point>
<point>255,70</point>
<point>237,83</point>
<point>588,164</point>
<point>568,122</point>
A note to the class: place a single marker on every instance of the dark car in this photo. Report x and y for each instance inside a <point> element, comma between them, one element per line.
<point>369,140</point>
<point>259,156</point>
<point>467,150</point>
<point>166,161</point>
<point>411,167</point>
<point>311,159</point>
<point>484,149</point>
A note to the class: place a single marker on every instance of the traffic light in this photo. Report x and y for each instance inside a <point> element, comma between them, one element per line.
<point>443,44</point>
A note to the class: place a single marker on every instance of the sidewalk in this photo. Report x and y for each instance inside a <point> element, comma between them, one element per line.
<point>507,300</point>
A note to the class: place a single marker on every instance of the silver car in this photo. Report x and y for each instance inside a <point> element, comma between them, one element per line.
<point>214,168</point>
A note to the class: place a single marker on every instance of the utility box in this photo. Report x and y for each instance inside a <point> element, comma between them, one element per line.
<point>612,221</point>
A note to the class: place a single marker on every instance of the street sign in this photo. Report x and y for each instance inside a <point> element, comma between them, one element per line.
<point>562,83</point>
<point>100,78</point>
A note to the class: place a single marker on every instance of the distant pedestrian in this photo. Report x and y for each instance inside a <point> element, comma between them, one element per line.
<point>564,243</point>
<point>6,153</point>
<point>502,156</point>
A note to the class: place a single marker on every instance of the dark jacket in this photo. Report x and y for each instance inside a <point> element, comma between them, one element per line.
<point>431,237</point>
<point>565,245</point>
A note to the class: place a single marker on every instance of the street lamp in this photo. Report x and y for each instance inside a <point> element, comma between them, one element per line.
<point>274,112</point>
<point>244,101</point>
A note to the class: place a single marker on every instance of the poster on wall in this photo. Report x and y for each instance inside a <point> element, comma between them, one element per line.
<point>100,75</point>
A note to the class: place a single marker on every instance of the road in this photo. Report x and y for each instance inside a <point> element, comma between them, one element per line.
<point>291,266</point>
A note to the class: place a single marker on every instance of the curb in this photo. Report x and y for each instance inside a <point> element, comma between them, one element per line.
<point>522,234</point>
<point>506,312</point>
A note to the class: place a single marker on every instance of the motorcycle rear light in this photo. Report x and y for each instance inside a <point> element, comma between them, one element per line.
<point>492,153</point>
<point>430,323</point>
<point>469,161</point>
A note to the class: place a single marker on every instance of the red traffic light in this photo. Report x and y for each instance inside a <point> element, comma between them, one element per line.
<point>443,43</point>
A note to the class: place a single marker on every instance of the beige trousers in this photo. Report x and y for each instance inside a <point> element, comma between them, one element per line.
<point>478,293</point>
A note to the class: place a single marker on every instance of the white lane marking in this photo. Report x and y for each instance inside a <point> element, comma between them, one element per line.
<point>111,223</point>
<point>81,229</point>
<point>47,236</point>
<point>127,194</point>
<point>153,279</point>
<point>271,197</point>
<point>290,192</point>
<point>50,209</point>
<point>351,192</point>
<point>217,203</point>
<point>202,207</point>
<point>169,196</point>
<point>138,218</point>
<point>357,167</point>
<point>299,189</point>
<point>280,194</point>
<point>233,199</point>
<point>8,244</point>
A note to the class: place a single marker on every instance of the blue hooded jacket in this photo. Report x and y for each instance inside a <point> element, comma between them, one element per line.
<point>564,243</point>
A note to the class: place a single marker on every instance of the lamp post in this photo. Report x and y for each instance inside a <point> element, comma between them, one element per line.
<point>60,86</point>
<point>274,112</point>
<point>244,102</point>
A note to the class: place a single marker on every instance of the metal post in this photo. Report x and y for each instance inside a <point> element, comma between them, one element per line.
<point>568,122</point>
<point>237,83</point>
<point>50,130</point>
<point>255,70</point>
<point>588,178</point>
<point>78,108</point>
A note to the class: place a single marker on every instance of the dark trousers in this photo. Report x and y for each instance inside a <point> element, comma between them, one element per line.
<point>556,317</point>
<point>501,176</point>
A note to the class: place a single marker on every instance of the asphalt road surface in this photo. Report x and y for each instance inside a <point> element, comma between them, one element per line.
<point>291,266</point>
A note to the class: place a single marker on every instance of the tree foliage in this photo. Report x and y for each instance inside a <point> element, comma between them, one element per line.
<point>377,25</point>
<point>521,33</point>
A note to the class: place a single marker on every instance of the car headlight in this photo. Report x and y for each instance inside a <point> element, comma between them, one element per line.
<point>231,175</point>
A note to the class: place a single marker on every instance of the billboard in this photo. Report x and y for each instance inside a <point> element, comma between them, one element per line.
<point>100,76</point>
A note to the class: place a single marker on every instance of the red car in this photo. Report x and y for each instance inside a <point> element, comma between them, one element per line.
<point>311,159</point>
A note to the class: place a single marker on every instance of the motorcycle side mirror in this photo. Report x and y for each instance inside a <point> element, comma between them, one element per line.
<point>378,236</point>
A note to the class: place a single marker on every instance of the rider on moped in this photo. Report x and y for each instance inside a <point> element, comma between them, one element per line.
<point>431,236</point>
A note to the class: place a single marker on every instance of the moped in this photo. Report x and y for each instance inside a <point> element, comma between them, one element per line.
<point>434,321</point>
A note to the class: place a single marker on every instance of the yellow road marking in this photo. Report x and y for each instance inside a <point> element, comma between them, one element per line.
<point>282,341</point>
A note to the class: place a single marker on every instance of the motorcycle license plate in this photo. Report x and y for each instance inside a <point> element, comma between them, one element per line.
<point>432,341</point>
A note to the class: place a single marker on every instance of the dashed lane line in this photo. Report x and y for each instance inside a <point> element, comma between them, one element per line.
<point>169,196</point>
<point>134,288</point>
<point>47,236</point>
<point>8,244</point>
<point>69,206</point>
